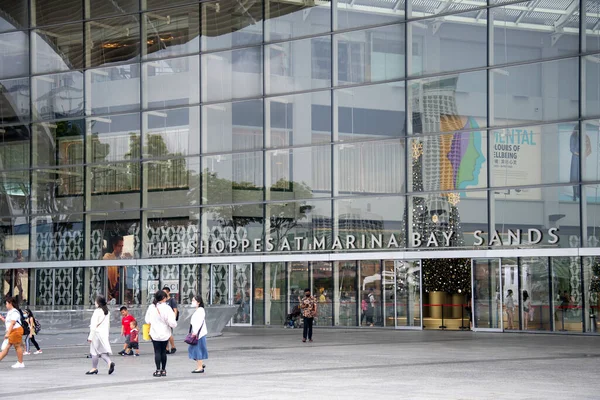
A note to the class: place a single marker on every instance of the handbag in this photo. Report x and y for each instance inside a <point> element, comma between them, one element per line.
<point>192,338</point>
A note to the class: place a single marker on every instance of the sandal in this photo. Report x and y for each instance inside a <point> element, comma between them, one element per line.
<point>156,374</point>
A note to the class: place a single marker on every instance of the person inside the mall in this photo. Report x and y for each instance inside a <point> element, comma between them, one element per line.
<point>112,272</point>
<point>171,302</point>
<point>98,337</point>
<point>199,351</point>
<point>526,309</point>
<point>364,306</point>
<point>126,319</point>
<point>33,331</point>
<point>161,318</point>
<point>371,308</point>
<point>13,336</point>
<point>309,311</point>
<point>510,309</point>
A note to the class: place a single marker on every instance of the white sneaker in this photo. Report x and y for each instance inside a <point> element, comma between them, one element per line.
<point>38,352</point>
<point>26,353</point>
<point>18,365</point>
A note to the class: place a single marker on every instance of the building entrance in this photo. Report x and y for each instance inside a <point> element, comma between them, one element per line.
<point>446,293</point>
<point>232,284</point>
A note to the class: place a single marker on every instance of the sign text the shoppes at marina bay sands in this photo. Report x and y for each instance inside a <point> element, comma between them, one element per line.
<point>193,246</point>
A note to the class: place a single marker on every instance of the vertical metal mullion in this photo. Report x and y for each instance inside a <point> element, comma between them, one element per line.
<point>30,12</point>
<point>491,205</point>
<point>520,295</point>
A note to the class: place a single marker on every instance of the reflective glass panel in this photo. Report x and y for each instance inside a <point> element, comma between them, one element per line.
<point>287,20</point>
<point>370,292</point>
<point>276,293</point>
<point>232,126</point>
<point>529,93</point>
<point>105,82</point>
<point>114,138</point>
<point>57,190</point>
<point>447,219</point>
<point>232,178</point>
<point>172,182</point>
<point>51,233</point>
<point>567,294</point>
<point>172,32</point>
<point>371,112</point>
<point>533,35</point>
<point>172,82</point>
<point>14,54</point>
<point>258,294</point>
<point>300,119</point>
<point>113,40</point>
<point>552,211</point>
<point>233,229</point>
<point>115,186</point>
<point>346,301</point>
<point>309,219</point>
<point>15,190</point>
<point>225,24</point>
<point>58,143</point>
<point>15,238</point>
<point>591,88</point>
<point>17,12</point>
<point>57,96</point>
<point>322,281</point>
<point>152,4</point>
<point>170,133</point>
<point>58,48</point>
<point>535,275</point>
<point>299,173</point>
<point>114,236</point>
<point>299,65</point>
<point>457,43</point>
<point>233,74</point>
<point>591,287</point>
<point>103,8</point>
<point>49,13</point>
<point>591,196</point>
<point>14,99</point>
<point>591,37</point>
<point>370,222</point>
<point>371,55</point>
<point>179,239</point>
<point>408,292</point>
<point>448,103</point>
<point>371,167</point>
<point>14,147</point>
<point>518,155</point>
<point>368,12</point>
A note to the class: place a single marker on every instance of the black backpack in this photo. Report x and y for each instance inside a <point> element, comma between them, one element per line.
<point>24,324</point>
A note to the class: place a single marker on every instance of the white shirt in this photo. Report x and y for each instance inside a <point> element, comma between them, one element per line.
<point>197,320</point>
<point>161,318</point>
<point>13,315</point>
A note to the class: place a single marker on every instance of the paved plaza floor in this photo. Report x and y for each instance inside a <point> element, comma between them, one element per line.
<point>273,363</point>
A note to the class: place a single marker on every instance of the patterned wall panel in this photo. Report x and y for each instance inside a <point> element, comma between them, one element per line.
<point>220,283</point>
<point>63,286</point>
<point>79,285</point>
<point>182,234</point>
<point>96,283</point>
<point>45,287</point>
<point>97,242</point>
<point>59,246</point>
<point>189,283</point>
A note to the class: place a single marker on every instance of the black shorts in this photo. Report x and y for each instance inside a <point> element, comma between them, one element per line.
<point>133,345</point>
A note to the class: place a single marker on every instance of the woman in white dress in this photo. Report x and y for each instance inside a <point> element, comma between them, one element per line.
<point>98,337</point>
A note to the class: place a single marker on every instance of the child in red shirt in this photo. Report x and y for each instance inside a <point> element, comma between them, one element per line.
<point>125,328</point>
<point>134,339</point>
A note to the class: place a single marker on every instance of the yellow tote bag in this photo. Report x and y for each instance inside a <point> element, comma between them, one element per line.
<point>146,332</point>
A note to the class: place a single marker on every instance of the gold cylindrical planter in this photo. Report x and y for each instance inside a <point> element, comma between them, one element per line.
<point>436,298</point>
<point>457,301</point>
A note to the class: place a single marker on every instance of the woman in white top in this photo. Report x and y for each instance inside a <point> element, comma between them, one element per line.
<point>526,309</point>
<point>161,318</point>
<point>14,332</point>
<point>98,337</point>
<point>198,352</point>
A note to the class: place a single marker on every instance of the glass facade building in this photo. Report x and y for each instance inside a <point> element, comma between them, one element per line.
<point>408,161</point>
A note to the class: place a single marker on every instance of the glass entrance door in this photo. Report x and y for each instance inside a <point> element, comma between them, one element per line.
<point>232,284</point>
<point>486,301</point>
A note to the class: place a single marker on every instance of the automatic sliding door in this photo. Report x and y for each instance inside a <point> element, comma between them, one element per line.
<point>487,294</point>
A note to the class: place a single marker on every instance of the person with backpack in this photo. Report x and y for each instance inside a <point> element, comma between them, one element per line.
<point>34,329</point>
<point>13,336</point>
